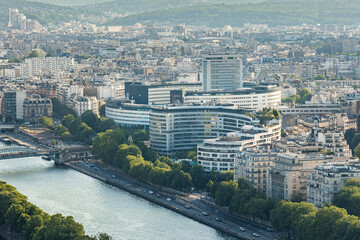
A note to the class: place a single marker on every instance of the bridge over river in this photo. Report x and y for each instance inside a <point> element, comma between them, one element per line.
<point>58,155</point>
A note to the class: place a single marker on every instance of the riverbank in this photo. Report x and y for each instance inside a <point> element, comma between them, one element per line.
<point>176,203</point>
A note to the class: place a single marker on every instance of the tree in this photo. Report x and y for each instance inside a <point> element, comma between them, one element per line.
<point>66,136</point>
<point>60,129</point>
<point>102,236</point>
<point>147,153</point>
<point>319,77</point>
<point>60,110</point>
<point>102,110</point>
<point>225,193</point>
<point>105,124</point>
<point>34,54</point>
<point>140,135</point>
<point>157,175</point>
<point>348,197</point>
<point>349,134</point>
<point>198,176</point>
<point>90,119</point>
<point>357,150</point>
<point>244,183</point>
<point>140,168</point>
<point>186,166</point>
<point>276,114</point>
<point>50,54</point>
<point>355,141</point>
<point>352,182</point>
<point>61,228</point>
<point>106,144</point>
<point>325,222</point>
<point>123,151</point>
<point>47,122</point>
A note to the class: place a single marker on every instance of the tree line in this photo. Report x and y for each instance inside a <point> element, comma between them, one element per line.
<point>35,224</point>
<point>241,198</point>
<point>309,223</point>
<point>136,159</point>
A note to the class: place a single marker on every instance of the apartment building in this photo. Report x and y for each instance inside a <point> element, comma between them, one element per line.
<point>287,178</point>
<point>253,163</point>
<point>36,107</point>
<point>328,178</point>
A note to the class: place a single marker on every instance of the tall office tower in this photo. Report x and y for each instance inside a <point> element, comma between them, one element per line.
<point>222,72</point>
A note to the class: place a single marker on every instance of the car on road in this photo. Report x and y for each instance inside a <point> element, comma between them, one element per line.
<point>218,219</point>
<point>95,168</point>
<point>187,206</point>
<point>242,229</point>
<point>113,176</point>
<point>168,199</point>
<point>204,213</point>
<point>269,229</point>
<point>158,195</point>
<point>256,235</point>
<point>151,192</point>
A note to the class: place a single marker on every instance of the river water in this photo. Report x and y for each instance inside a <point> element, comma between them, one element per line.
<point>99,206</point>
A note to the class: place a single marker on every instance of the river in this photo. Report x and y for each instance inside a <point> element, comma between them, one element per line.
<point>99,206</point>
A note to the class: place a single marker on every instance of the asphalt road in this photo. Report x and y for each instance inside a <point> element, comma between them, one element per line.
<point>197,207</point>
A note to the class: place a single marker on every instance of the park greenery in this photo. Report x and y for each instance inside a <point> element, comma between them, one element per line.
<point>265,115</point>
<point>35,224</point>
<point>299,98</point>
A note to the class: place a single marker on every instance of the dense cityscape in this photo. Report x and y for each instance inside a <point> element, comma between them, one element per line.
<point>233,132</point>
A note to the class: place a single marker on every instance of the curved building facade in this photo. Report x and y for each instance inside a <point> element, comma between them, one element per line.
<point>128,114</point>
<point>255,98</point>
<point>175,128</point>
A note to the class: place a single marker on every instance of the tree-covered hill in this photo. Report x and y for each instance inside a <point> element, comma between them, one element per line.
<point>44,13</point>
<point>140,6</point>
<point>269,12</point>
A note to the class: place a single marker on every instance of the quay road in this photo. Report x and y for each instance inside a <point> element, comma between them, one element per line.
<point>221,221</point>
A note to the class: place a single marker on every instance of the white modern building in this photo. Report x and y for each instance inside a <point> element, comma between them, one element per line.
<point>255,98</point>
<point>222,72</point>
<point>128,114</point>
<point>174,128</point>
<point>219,154</point>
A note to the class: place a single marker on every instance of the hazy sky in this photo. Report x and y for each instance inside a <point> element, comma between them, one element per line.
<point>71,2</point>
